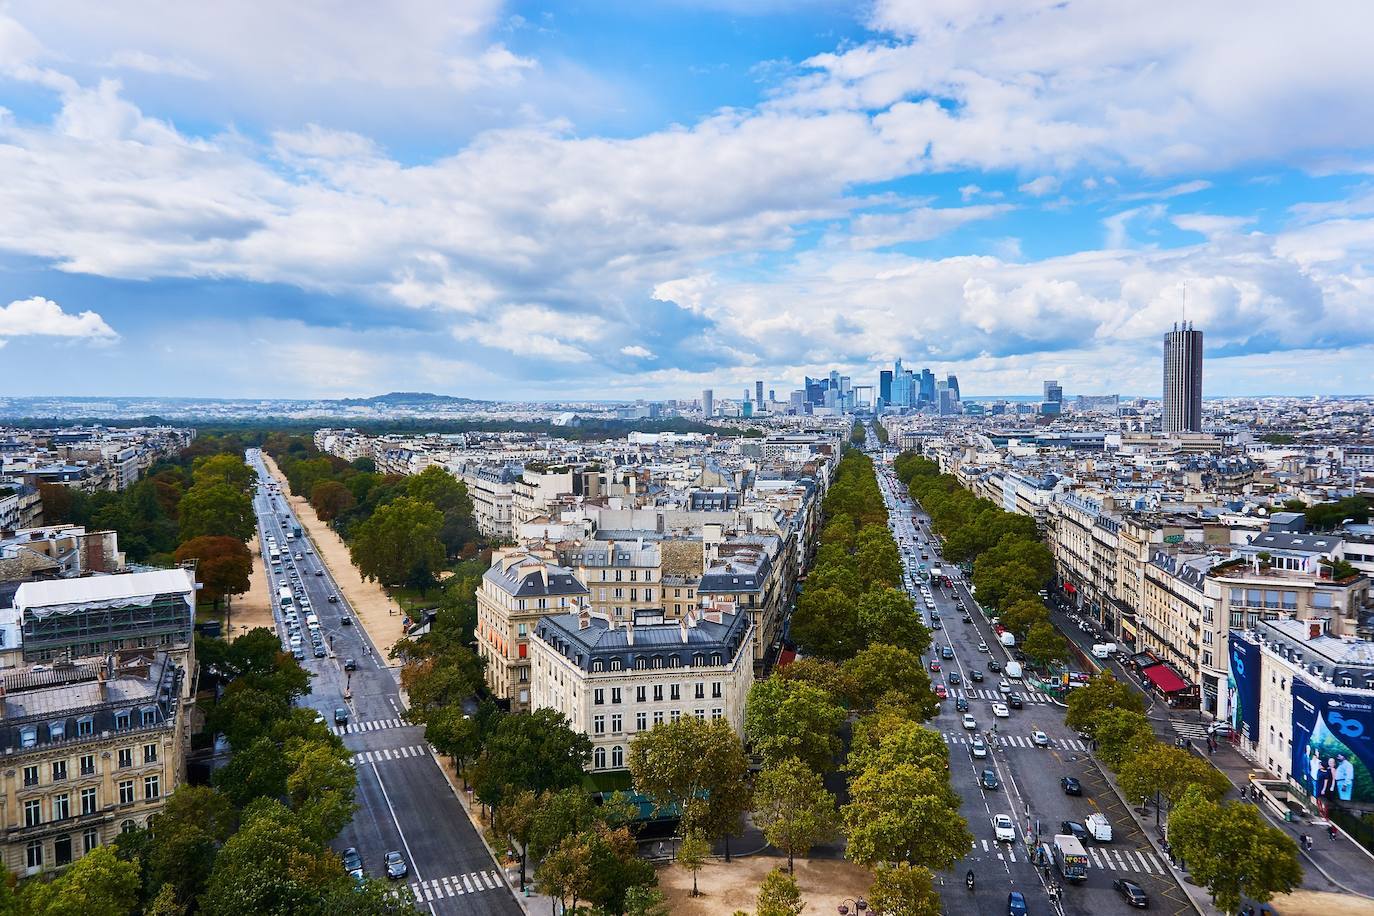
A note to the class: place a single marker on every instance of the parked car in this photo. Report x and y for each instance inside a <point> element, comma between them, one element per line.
<point>1133,893</point>
<point>352,862</point>
<point>395,865</point>
<point>1071,785</point>
<point>1078,831</point>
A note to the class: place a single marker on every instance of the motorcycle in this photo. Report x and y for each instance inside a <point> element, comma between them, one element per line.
<point>968,879</point>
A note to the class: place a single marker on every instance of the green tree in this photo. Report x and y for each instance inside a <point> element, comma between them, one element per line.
<point>98,882</point>
<point>692,854</point>
<point>565,872</point>
<point>513,820</point>
<point>320,788</point>
<point>792,808</point>
<point>790,719</point>
<point>330,499</point>
<point>223,468</point>
<point>779,895</point>
<point>454,734</point>
<point>699,767</point>
<point>903,890</point>
<point>826,623</point>
<point>643,900</point>
<point>1020,616</point>
<point>191,826</point>
<point>443,491</point>
<point>1102,692</point>
<point>888,737</point>
<point>556,815</point>
<point>216,509</point>
<point>1232,851</point>
<point>833,678</point>
<point>1121,735</point>
<point>881,670</point>
<point>538,751</point>
<point>1170,771</point>
<point>887,615</point>
<point>255,770</point>
<point>399,543</point>
<point>1044,646</point>
<point>223,565</point>
<point>904,813</point>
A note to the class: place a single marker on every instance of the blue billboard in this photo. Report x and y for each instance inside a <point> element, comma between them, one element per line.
<point>1244,686</point>
<point>1333,744</point>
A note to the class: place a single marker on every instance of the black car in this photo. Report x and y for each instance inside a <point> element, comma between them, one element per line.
<point>1073,827</point>
<point>352,862</point>
<point>954,679</point>
<point>1071,785</point>
<point>395,865</point>
<point>350,664</point>
<point>1135,894</point>
<point>988,780</point>
<point>975,675</point>
<point>333,599</point>
<point>961,704</point>
<point>1015,701</point>
<point>340,716</point>
<point>994,665</point>
<point>1015,653</point>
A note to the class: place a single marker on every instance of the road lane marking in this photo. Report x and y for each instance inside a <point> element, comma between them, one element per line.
<point>396,821</point>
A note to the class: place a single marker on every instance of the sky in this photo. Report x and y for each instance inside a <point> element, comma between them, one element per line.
<point>644,199</point>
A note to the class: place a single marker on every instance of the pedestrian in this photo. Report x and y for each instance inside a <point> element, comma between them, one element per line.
<point>1302,841</point>
<point>1331,832</point>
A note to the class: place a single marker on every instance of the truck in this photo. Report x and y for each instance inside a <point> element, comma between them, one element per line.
<point>1103,649</point>
<point>1008,638</point>
<point>935,572</point>
<point>285,597</point>
<point>296,530</point>
<point>1099,827</point>
<point>1070,857</point>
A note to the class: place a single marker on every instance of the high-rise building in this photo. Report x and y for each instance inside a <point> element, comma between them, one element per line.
<point>952,383</point>
<point>1183,380</point>
<point>885,385</point>
<point>926,391</point>
<point>1054,391</point>
<point>708,403</point>
<point>772,395</point>
<point>758,393</point>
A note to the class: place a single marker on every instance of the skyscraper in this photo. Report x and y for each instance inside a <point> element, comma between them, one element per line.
<point>708,403</point>
<point>885,385</point>
<point>1183,380</point>
<point>926,393</point>
<point>1054,391</point>
<point>758,393</point>
<point>952,383</point>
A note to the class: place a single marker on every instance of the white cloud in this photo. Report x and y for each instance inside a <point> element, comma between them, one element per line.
<point>1177,190</point>
<point>638,352</point>
<point>41,317</point>
<point>162,66</point>
<point>918,224</point>
<point>1039,187</point>
<point>1212,225</point>
<point>969,191</point>
<point>496,66</point>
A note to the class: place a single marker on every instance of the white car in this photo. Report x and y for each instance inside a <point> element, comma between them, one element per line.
<point>982,646</point>
<point>970,723</point>
<point>978,748</point>
<point>1040,739</point>
<point>1000,710</point>
<point>1004,686</point>
<point>1004,829</point>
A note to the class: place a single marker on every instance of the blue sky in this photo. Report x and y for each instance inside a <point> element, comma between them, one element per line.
<point>616,199</point>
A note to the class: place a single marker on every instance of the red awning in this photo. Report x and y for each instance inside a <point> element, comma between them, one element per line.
<point>1165,679</point>
<point>1068,587</point>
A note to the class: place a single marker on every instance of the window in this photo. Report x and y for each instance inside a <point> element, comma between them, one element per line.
<point>715,658</point>
<point>675,715</point>
<point>615,694</point>
<point>615,664</point>
<point>648,594</point>
<point>700,714</point>
<point>658,693</point>
<point>90,840</point>
<point>520,630</point>
<point>33,813</point>
<point>599,758</point>
<point>641,693</point>
<point>88,801</point>
<point>126,791</point>
<point>674,661</point>
<point>641,721</point>
<point>700,690</point>
<point>57,731</point>
<point>28,736</point>
<point>599,697</point>
<point>1321,599</point>
<point>598,725</point>
<point>674,692</point>
<point>33,854</point>
<point>126,757</point>
<point>62,851</point>
<point>717,714</point>
<point>128,826</point>
<point>658,717</point>
<point>85,727</point>
<point>61,807</point>
<point>152,786</point>
<point>59,770</point>
<point>150,753</point>
<point>715,690</point>
<point>31,776</point>
<point>617,721</point>
<point>617,757</point>
<point>87,764</point>
<point>122,720</point>
<point>598,665</point>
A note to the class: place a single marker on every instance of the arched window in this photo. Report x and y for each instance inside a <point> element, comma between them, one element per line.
<point>128,827</point>
<point>617,758</point>
<point>599,758</point>
<point>641,663</point>
<point>674,661</point>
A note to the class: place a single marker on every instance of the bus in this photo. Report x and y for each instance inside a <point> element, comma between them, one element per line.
<point>284,594</point>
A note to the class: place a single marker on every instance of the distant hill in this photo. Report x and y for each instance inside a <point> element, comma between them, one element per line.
<point>409,399</point>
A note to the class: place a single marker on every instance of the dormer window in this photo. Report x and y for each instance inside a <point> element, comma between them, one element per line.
<point>28,736</point>
<point>57,731</point>
<point>598,665</point>
<point>615,664</point>
<point>122,720</point>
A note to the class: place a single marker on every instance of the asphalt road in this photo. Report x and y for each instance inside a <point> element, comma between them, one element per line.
<point>404,802</point>
<point>1028,776</point>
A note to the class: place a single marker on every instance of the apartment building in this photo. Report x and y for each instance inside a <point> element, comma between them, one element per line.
<point>492,490</point>
<point>92,750</point>
<point>745,574</point>
<point>624,579</point>
<point>614,679</point>
<point>519,589</point>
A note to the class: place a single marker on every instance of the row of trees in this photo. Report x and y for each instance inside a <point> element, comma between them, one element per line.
<point>256,840</point>
<point>1228,846</point>
<point>1010,564</point>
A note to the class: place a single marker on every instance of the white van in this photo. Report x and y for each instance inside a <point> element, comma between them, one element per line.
<point>1103,649</point>
<point>1013,670</point>
<point>1099,827</point>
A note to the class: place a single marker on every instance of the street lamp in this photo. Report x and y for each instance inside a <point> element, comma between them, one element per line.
<point>860,906</point>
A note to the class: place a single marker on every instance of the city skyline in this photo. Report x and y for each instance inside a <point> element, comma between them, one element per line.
<point>518,201</point>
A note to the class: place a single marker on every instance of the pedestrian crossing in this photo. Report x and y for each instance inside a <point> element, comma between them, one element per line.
<point>1196,730</point>
<point>373,725</point>
<point>1005,852</point>
<point>1132,860</point>
<point>1072,744</point>
<point>975,693</point>
<point>390,753</point>
<point>455,885</point>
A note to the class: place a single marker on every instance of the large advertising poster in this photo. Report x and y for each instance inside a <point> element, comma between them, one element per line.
<point>1244,686</point>
<point>1333,744</point>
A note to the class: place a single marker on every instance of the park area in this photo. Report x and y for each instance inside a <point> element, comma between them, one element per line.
<point>725,888</point>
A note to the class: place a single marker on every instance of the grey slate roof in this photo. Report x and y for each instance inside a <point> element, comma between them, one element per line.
<point>1311,544</point>
<point>659,640</point>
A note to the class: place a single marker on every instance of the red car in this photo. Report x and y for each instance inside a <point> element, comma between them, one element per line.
<point>941,692</point>
<point>934,665</point>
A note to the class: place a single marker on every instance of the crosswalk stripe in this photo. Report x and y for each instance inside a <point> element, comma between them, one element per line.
<point>467,883</point>
<point>1012,857</point>
<point>1092,853</point>
<point>1157,863</point>
<point>491,882</point>
<point>985,846</point>
<point>415,889</point>
<point>448,886</point>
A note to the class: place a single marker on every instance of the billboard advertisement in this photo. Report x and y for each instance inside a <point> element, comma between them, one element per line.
<point>1244,686</point>
<point>1333,744</point>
